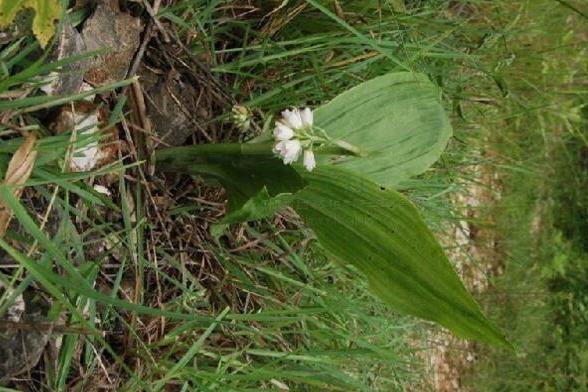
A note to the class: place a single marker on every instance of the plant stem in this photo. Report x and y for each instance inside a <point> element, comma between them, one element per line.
<point>203,159</point>
<point>202,150</point>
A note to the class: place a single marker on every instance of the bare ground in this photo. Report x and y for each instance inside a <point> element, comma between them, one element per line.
<point>473,247</point>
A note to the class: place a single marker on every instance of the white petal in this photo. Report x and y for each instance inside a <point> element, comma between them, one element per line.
<point>306,117</point>
<point>308,160</point>
<point>280,148</point>
<point>292,118</point>
<point>283,132</point>
<point>293,148</point>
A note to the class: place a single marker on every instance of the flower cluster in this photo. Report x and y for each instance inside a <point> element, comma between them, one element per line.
<point>294,137</point>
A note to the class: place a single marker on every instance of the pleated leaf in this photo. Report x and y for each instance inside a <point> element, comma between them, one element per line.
<point>257,184</point>
<point>259,206</point>
<point>382,234</point>
<point>397,120</point>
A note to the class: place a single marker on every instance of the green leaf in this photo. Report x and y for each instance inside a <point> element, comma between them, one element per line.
<point>244,170</point>
<point>244,177</point>
<point>382,234</point>
<point>47,12</point>
<point>257,207</point>
<point>396,119</point>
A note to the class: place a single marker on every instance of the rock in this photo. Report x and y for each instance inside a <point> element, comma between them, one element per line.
<point>22,341</point>
<point>117,33</point>
<point>71,78</point>
<point>172,109</point>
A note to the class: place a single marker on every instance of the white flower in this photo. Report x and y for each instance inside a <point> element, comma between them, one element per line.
<point>296,119</point>
<point>306,117</point>
<point>289,150</point>
<point>283,132</point>
<point>292,118</point>
<point>291,132</point>
<point>308,160</point>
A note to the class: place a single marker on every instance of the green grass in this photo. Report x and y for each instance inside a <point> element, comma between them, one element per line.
<point>165,304</point>
<point>536,138</point>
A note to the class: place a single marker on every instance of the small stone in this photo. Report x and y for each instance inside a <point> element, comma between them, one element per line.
<point>70,78</point>
<point>21,347</point>
<point>119,35</point>
<point>172,108</point>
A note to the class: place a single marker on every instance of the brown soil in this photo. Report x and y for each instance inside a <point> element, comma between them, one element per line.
<point>474,250</point>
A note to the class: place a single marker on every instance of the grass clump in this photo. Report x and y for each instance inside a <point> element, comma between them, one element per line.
<point>536,137</point>
<point>138,294</point>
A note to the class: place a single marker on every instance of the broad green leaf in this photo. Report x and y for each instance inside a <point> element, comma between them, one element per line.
<point>244,170</point>
<point>396,119</point>
<point>383,235</point>
<point>259,206</point>
<point>47,12</point>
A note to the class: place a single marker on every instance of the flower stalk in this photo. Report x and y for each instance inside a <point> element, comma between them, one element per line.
<point>295,136</point>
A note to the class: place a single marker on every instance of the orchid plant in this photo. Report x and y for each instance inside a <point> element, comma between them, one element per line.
<point>355,151</point>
